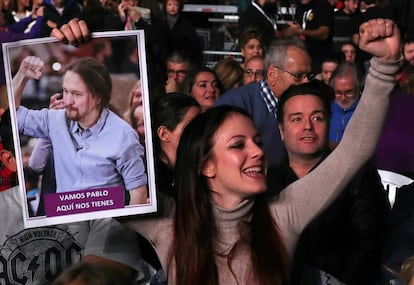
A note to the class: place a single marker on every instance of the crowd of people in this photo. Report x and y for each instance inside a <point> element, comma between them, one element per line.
<point>265,168</point>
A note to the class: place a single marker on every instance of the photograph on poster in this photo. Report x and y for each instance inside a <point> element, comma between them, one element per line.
<point>81,128</point>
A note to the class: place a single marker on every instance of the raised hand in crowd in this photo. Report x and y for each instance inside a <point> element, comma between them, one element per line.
<point>381,38</point>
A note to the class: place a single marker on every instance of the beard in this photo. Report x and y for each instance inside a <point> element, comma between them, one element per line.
<point>72,115</point>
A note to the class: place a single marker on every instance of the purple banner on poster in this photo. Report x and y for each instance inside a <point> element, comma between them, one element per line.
<point>84,201</point>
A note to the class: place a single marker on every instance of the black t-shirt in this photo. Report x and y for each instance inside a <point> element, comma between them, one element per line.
<point>312,16</point>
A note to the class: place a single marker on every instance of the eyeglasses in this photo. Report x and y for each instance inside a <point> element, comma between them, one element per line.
<point>346,93</point>
<point>298,77</point>
<point>251,73</point>
<point>180,72</point>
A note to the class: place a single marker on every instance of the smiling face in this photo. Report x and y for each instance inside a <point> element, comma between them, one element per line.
<point>79,104</point>
<point>236,167</point>
<point>305,127</point>
<point>205,89</point>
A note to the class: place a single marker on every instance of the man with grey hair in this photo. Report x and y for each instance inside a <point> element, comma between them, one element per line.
<point>286,63</point>
<point>346,83</point>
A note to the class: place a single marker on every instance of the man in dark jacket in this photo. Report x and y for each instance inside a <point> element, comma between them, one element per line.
<point>345,241</point>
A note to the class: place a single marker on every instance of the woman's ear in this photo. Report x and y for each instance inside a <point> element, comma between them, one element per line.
<point>209,169</point>
<point>163,134</point>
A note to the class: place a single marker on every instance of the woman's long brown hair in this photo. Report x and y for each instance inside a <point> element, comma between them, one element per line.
<point>193,252</point>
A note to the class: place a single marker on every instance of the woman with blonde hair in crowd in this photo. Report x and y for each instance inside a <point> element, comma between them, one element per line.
<point>229,72</point>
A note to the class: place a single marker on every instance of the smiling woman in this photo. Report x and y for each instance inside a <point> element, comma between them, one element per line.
<point>221,158</point>
<point>204,85</point>
<point>222,221</point>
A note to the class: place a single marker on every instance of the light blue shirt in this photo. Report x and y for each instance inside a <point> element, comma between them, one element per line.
<point>107,154</point>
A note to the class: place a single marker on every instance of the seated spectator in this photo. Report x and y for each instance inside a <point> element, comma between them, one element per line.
<point>346,84</point>
<point>329,64</point>
<point>178,67</point>
<point>253,70</point>
<point>170,114</point>
<point>229,72</point>
<point>345,241</point>
<point>130,16</point>
<point>204,86</point>
<point>250,43</point>
<point>349,50</point>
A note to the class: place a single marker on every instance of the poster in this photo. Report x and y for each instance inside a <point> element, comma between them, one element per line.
<point>46,183</point>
